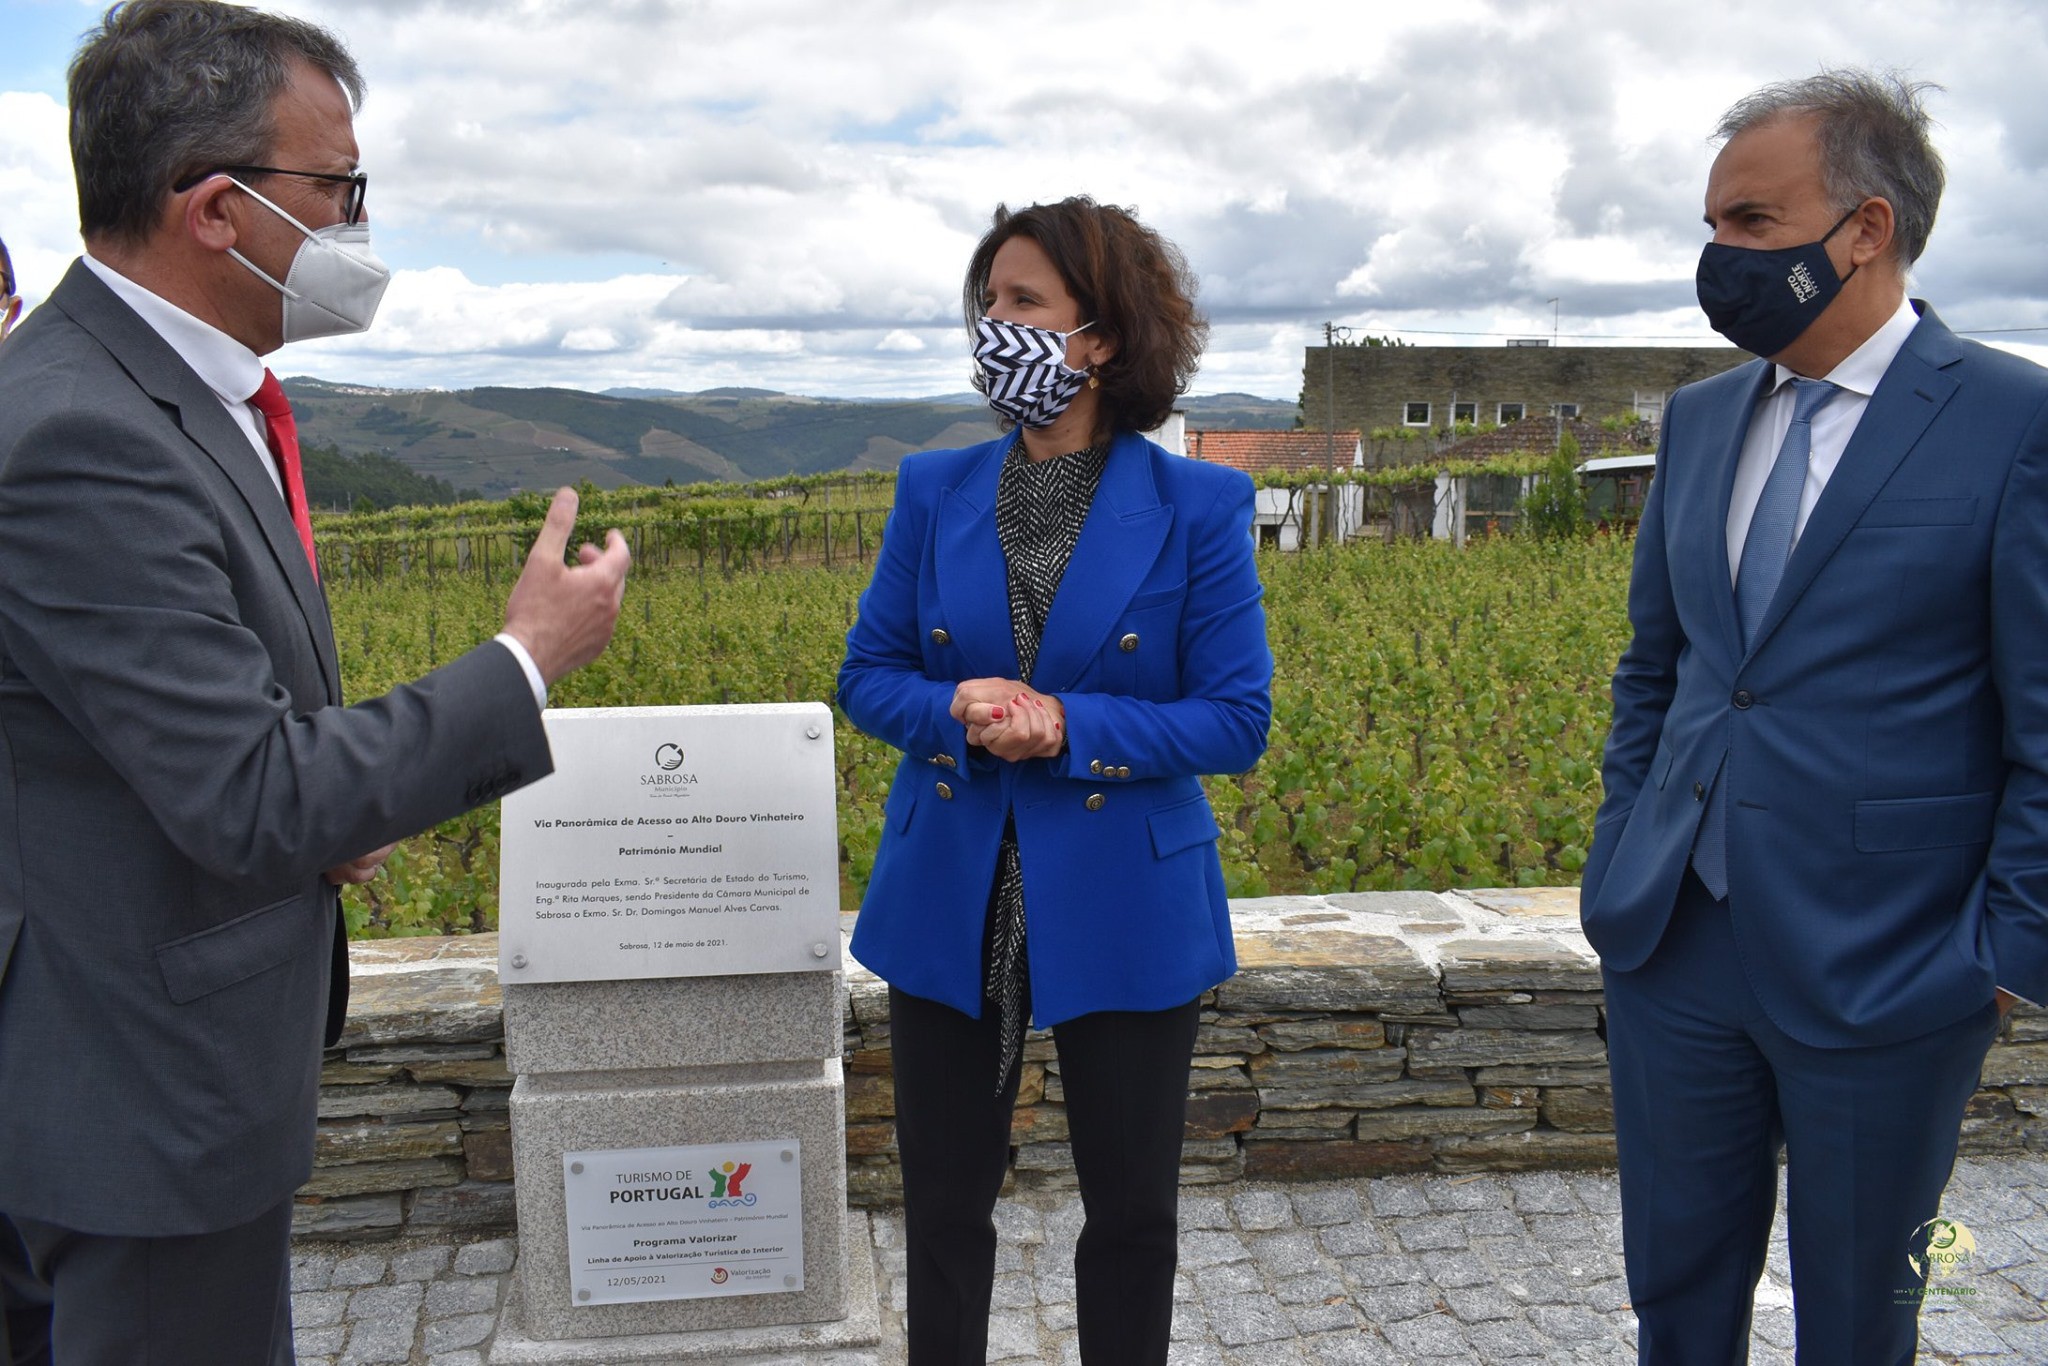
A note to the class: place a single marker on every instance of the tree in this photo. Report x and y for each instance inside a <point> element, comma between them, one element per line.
<point>1555,508</point>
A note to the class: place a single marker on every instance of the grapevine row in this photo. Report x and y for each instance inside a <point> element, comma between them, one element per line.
<point>1437,714</point>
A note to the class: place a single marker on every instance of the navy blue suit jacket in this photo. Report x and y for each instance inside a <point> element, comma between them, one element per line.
<point>1883,741</point>
<point>1156,646</point>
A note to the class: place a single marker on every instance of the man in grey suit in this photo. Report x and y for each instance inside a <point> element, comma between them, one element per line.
<point>181,788</point>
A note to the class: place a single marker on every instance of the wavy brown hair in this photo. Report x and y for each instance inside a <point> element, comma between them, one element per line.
<point>1132,282</point>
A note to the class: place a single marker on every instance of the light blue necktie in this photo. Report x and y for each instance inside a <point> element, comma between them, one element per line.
<point>1765,551</point>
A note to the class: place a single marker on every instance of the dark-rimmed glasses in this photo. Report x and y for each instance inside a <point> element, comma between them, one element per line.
<point>358,184</point>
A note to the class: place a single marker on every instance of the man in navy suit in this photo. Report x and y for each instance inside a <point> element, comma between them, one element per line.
<point>1820,874</point>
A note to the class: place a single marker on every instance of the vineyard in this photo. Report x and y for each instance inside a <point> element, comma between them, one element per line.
<point>798,520</point>
<point>1437,713</point>
<point>725,528</point>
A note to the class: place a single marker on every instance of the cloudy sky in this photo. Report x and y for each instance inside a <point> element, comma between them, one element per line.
<point>782,193</point>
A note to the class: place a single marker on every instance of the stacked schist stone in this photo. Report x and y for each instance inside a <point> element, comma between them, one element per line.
<point>1363,1034</point>
<point>1446,1033</point>
<point>413,1133</point>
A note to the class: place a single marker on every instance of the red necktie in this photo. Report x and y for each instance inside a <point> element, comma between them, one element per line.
<point>281,430</point>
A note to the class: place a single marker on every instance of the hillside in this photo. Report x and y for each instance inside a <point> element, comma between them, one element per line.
<point>499,440</point>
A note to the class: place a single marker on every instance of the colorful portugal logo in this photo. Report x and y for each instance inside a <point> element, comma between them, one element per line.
<point>725,1185</point>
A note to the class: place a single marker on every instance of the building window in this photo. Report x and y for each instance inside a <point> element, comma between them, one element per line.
<point>1464,412</point>
<point>1564,410</point>
<point>1417,415</point>
<point>1511,412</point>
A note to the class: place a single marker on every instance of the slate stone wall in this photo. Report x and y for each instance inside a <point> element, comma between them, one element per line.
<point>1363,1034</point>
<point>1374,384</point>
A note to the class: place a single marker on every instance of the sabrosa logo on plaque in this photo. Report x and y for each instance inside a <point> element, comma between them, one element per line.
<point>685,1223</point>
<point>667,759</point>
<point>673,842</point>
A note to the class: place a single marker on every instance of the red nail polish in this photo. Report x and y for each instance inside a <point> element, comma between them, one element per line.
<point>995,713</point>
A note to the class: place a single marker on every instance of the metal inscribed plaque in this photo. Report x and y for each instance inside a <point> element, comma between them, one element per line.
<point>673,842</point>
<point>685,1223</point>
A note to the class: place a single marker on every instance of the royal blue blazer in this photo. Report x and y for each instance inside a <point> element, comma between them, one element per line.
<point>1156,646</point>
<point>1883,740</point>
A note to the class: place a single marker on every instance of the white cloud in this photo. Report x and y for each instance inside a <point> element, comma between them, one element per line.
<point>38,207</point>
<point>784,193</point>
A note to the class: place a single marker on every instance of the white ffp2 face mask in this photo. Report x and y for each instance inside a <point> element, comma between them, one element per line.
<point>335,282</point>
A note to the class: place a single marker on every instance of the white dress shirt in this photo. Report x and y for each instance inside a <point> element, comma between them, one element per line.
<point>235,373</point>
<point>1857,377</point>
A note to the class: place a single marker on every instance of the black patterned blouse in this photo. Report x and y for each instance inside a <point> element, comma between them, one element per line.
<point>1040,506</point>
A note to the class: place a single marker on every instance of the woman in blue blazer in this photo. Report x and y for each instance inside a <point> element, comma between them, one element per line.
<point>1063,631</point>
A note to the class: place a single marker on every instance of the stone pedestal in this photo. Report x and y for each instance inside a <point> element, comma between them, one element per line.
<point>677,1062</point>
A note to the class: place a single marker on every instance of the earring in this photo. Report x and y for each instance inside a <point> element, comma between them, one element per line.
<point>1093,383</point>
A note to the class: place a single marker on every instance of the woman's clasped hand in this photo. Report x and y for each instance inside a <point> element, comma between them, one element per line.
<point>1009,719</point>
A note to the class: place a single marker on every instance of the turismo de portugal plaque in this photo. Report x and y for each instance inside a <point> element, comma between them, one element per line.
<point>673,842</point>
<point>685,1223</point>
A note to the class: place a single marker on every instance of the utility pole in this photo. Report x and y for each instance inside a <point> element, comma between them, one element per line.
<point>1331,334</point>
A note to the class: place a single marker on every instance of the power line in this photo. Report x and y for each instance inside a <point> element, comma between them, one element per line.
<point>1656,336</point>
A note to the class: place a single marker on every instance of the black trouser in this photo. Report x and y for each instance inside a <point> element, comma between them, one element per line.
<point>88,1299</point>
<point>1125,1075</point>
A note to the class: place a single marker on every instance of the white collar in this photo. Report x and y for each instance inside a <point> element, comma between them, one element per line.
<point>1860,370</point>
<point>230,369</point>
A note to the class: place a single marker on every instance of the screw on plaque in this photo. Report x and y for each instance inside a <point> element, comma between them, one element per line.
<point>789,1281</point>
<point>788,1156</point>
<point>812,732</point>
<point>518,960</point>
<point>818,950</point>
<point>576,1167</point>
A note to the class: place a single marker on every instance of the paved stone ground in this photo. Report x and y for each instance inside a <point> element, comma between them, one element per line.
<point>1473,1269</point>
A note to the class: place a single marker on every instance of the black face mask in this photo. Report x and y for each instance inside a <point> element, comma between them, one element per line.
<point>1763,300</point>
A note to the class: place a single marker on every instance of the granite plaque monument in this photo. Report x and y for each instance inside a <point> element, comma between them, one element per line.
<point>670,954</point>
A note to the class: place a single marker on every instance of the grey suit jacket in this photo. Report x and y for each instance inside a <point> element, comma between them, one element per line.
<point>176,770</point>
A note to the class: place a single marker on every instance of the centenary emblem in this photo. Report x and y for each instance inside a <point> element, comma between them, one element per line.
<point>1948,1248</point>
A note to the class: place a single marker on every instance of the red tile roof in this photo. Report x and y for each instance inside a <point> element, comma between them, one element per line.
<point>1256,452</point>
<point>1538,436</point>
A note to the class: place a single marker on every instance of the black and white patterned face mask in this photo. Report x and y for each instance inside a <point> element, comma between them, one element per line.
<point>1024,371</point>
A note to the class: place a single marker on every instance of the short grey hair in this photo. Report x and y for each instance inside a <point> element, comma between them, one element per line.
<point>1873,132</point>
<point>165,90</point>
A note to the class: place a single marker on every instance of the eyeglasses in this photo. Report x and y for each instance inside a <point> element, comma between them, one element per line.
<point>358,184</point>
